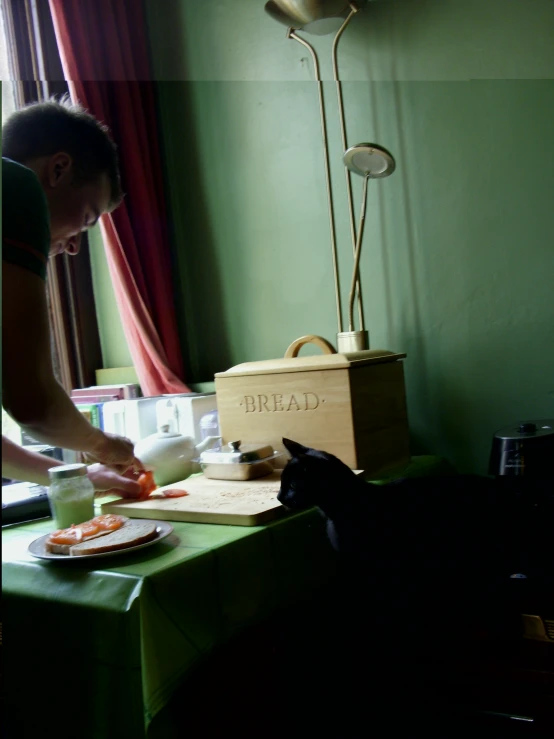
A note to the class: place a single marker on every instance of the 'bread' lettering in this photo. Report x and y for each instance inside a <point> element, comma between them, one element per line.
<point>279,403</point>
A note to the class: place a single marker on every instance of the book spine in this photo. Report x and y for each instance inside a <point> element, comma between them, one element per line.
<point>127,392</point>
<point>100,408</point>
<point>90,392</point>
<point>92,412</point>
<point>87,399</point>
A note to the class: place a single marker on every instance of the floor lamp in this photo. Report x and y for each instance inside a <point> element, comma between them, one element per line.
<point>371,161</point>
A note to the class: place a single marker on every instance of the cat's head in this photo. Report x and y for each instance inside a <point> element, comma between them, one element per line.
<point>311,477</point>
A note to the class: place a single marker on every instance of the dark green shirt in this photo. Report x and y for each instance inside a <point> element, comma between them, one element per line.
<point>25,219</point>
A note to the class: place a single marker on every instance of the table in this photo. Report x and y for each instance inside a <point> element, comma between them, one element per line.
<point>109,640</point>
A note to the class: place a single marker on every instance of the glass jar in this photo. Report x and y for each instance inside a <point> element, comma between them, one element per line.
<point>71,495</point>
<point>209,425</point>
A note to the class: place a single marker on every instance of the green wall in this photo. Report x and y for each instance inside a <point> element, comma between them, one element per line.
<point>458,255</point>
<point>115,352</point>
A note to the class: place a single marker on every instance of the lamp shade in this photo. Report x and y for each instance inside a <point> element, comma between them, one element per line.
<point>315,16</point>
<point>369,160</point>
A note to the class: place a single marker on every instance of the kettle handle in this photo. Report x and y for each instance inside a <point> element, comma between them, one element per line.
<point>319,341</point>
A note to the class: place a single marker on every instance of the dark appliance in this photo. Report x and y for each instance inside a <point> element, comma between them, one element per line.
<point>525,449</point>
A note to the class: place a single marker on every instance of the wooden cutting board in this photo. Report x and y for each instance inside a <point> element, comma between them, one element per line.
<point>237,502</point>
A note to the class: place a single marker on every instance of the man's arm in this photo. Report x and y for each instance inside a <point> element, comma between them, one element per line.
<point>31,394</point>
<point>19,463</point>
<point>22,464</point>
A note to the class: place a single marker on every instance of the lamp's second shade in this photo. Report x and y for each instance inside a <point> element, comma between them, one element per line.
<point>369,160</point>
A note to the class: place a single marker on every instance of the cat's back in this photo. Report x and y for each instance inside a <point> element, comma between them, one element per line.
<point>459,519</point>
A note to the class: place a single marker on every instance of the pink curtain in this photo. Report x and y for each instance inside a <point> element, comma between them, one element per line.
<point>104,54</point>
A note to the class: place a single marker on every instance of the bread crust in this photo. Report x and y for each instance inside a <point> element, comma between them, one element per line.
<point>64,548</point>
<point>131,534</point>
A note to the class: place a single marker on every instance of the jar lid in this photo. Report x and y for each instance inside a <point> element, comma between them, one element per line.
<point>65,471</point>
<point>235,454</point>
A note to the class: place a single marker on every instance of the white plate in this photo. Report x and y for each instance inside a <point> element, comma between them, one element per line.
<point>38,549</point>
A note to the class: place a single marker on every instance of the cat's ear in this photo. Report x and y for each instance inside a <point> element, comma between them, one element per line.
<point>295,448</point>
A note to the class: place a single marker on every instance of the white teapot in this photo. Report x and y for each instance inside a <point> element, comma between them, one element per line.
<point>171,456</point>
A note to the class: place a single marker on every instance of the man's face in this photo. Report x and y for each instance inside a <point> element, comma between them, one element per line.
<point>74,206</point>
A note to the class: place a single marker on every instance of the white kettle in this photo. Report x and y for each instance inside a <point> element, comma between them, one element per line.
<point>171,456</point>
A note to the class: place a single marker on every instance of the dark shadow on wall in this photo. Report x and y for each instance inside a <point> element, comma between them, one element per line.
<point>375,28</point>
<point>196,278</point>
<point>441,422</point>
<point>196,283</point>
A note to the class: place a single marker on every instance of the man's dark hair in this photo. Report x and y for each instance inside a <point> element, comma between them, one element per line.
<point>46,128</point>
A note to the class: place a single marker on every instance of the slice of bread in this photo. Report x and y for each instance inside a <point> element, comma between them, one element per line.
<point>64,548</point>
<point>131,534</point>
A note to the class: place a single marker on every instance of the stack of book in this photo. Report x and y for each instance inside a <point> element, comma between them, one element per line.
<point>89,400</point>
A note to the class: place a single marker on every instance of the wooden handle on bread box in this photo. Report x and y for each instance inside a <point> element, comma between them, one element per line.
<point>319,341</point>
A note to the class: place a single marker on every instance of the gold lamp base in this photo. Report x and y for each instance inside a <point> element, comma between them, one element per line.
<point>352,341</point>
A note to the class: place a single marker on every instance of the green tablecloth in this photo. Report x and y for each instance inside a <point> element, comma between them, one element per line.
<point>110,639</point>
<point>110,642</point>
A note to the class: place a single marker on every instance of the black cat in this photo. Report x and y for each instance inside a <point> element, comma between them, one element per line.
<point>370,523</point>
<point>428,555</point>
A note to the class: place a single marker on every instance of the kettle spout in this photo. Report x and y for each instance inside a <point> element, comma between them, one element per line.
<point>208,443</point>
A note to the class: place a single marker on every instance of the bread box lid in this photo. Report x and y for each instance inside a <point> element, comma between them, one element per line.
<point>329,360</point>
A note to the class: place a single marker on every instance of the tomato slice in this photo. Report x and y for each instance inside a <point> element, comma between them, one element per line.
<point>174,493</point>
<point>89,528</point>
<point>109,522</point>
<point>147,483</point>
<point>73,535</point>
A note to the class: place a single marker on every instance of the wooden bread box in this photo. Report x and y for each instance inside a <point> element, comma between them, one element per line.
<point>352,405</point>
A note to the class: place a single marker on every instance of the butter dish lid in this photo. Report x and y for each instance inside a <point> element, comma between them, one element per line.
<point>234,453</point>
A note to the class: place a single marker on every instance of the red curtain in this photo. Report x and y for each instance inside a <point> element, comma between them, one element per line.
<point>104,54</point>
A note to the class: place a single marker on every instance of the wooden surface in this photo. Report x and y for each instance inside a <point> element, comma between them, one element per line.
<point>236,502</point>
<point>380,418</point>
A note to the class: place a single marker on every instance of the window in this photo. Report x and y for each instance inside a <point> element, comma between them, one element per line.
<point>8,86</point>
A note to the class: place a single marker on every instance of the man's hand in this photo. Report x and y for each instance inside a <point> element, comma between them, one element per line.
<point>107,481</point>
<point>113,451</point>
